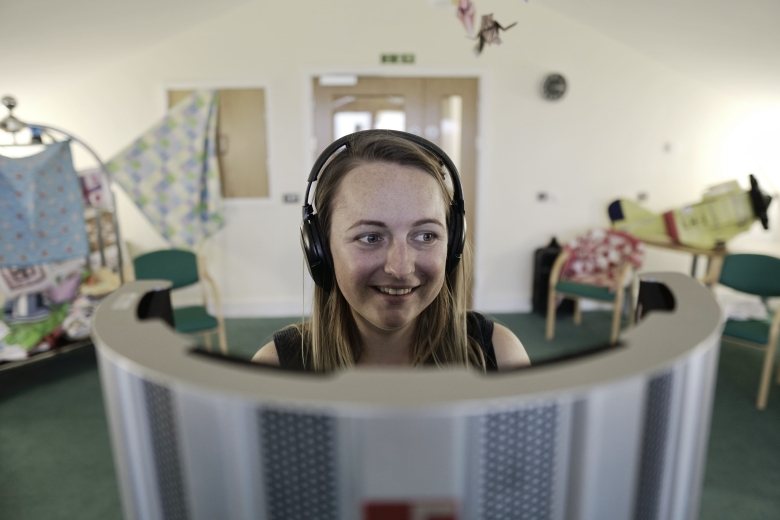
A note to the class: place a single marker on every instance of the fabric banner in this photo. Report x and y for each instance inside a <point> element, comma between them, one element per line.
<point>171,172</point>
<point>41,208</point>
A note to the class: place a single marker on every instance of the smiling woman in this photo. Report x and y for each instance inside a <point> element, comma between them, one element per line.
<point>388,253</point>
<point>390,266</point>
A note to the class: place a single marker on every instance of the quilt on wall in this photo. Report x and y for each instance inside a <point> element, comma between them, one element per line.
<point>42,209</point>
<point>171,172</point>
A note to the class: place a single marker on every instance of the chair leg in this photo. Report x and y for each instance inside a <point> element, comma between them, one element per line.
<point>773,340</point>
<point>577,312</point>
<point>550,325</point>
<point>222,339</point>
<point>766,375</point>
<point>207,340</point>
<point>617,312</point>
<point>633,294</point>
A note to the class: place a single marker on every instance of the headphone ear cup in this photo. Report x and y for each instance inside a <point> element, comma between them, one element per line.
<point>316,253</point>
<point>456,239</point>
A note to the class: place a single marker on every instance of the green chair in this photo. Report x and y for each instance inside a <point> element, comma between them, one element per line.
<point>758,275</point>
<point>183,269</point>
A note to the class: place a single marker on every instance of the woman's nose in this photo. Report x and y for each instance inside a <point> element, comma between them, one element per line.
<point>400,260</point>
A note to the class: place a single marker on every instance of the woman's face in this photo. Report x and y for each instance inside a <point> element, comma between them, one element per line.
<point>388,238</point>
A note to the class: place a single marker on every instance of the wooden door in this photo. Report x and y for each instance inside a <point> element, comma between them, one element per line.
<point>443,110</point>
<point>241,143</point>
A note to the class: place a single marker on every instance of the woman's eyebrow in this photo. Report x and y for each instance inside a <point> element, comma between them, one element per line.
<point>380,224</point>
<point>374,223</point>
<point>424,221</point>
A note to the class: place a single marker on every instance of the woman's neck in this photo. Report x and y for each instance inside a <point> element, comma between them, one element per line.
<point>384,347</point>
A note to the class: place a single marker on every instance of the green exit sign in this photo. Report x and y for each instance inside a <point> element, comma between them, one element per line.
<point>397,58</point>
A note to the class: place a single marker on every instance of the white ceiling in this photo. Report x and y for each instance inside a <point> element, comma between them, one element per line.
<point>51,35</point>
<point>733,45</point>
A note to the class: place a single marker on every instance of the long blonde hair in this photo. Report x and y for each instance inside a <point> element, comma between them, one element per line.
<point>330,338</point>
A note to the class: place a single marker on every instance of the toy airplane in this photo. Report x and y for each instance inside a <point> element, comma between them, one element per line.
<point>488,32</point>
<point>724,211</point>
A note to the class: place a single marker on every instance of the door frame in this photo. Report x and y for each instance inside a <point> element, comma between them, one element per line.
<point>481,161</point>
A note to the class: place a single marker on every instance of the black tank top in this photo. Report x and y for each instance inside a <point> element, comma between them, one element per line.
<point>480,328</point>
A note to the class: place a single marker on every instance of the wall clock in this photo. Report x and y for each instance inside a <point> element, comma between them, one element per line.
<point>554,86</point>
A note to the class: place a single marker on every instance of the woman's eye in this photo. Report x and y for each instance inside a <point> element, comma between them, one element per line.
<point>427,236</point>
<point>370,238</point>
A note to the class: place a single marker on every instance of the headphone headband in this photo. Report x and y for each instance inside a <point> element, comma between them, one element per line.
<point>346,141</point>
<point>313,238</point>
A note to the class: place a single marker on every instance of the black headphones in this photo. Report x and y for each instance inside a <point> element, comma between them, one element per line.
<point>314,241</point>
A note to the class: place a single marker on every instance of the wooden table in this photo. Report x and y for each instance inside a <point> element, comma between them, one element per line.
<point>714,257</point>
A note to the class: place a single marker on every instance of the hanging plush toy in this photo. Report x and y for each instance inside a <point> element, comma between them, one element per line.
<point>466,14</point>
<point>489,32</point>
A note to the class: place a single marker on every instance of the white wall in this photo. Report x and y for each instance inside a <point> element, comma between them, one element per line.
<point>628,124</point>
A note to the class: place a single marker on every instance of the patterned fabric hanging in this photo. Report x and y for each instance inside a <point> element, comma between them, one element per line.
<point>41,208</point>
<point>171,172</point>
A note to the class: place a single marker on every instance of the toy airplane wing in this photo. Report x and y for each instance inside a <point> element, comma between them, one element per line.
<point>644,224</point>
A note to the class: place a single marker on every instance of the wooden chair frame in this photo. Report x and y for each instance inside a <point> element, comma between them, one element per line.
<point>208,285</point>
<point>553,294</point>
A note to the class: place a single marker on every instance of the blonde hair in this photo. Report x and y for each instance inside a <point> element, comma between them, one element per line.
<point>331,337</point>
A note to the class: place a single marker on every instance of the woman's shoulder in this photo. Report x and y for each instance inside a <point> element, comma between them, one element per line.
<point>509,350</point>
<point>283,349</point>
<point>479,325</point>
<point>507,347</point>
<point>267,354</point>
<point>480,330</point>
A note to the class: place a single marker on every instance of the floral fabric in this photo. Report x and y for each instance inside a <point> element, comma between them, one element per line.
<point>172,174</point>
<point>596,257</point>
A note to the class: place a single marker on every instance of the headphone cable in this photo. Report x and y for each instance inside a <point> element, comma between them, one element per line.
<point>303,298</point>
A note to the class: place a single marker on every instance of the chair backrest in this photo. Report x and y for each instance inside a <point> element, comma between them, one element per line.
<point>751,273</point>
<point>178,266</point>
<point>597,256</point>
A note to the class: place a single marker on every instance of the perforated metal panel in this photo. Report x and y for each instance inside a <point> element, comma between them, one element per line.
<point>299,467</point>
<point>164,436</point>
<point>518,450</point>
<point>654,446</point>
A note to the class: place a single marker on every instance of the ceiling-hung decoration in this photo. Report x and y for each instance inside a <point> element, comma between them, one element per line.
<point>489,29</point>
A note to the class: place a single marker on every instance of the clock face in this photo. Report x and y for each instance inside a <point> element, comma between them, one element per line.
<point>554,86</point>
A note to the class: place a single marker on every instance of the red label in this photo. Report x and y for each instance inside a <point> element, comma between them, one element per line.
<point>417,510</point>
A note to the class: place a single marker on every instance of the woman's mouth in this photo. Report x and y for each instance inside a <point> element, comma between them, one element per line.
<point>395,291</point>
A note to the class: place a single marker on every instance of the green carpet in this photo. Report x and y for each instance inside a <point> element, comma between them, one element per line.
<point>742,479</point>
<point>55,456</point>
